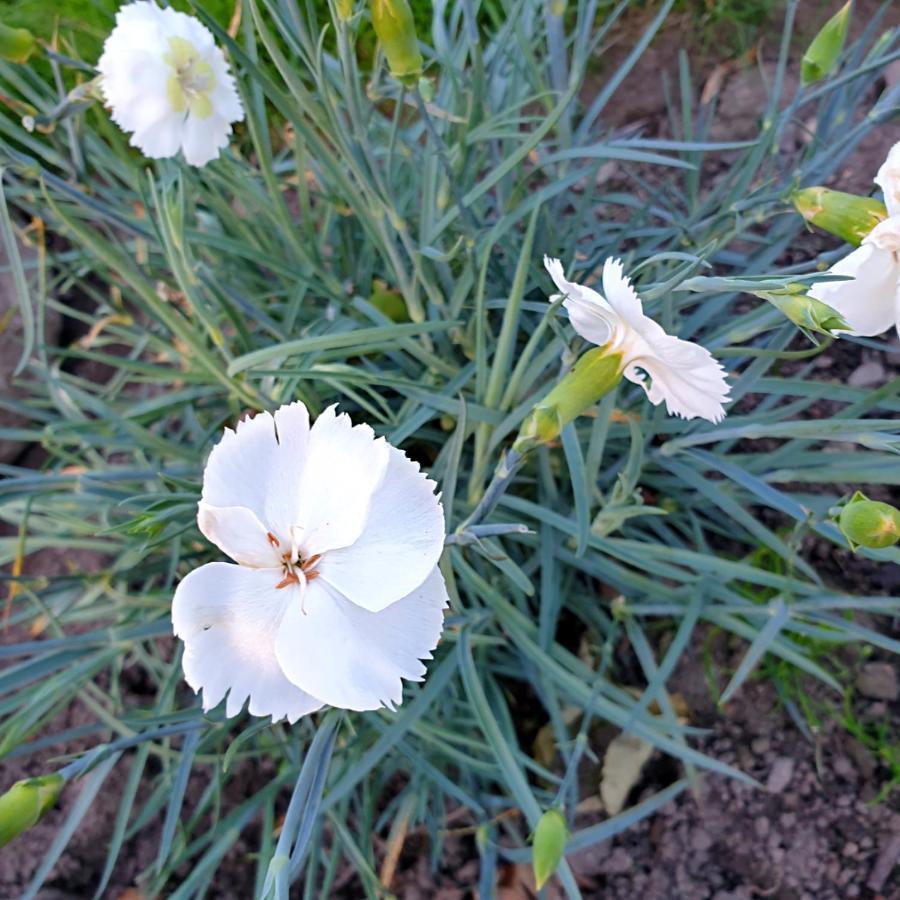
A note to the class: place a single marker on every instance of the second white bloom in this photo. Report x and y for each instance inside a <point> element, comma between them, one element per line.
<point>168,83</point>
<point>336,595</point>
<point>870,300</point>
<point>680,373</point>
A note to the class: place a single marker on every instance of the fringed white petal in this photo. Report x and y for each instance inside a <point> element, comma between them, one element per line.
<point>400,544</point>
<point>356,659</point>
<point>680,373</point>
<point>591,316</point>
<point>868,301</point>
<point>683,375</point>
<point>888,179</point>
<point>228,617</point>
<point>137,81</point>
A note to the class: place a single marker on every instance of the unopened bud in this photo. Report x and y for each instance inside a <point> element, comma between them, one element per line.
<point>822,54</point>
<point>396,29</point>
<point>23,805</point>
<point>550,835</point>
<point>388,301</point>
<point>593,375</point>
<point>805,311</point>
<point>847,216</point>
<point>869,523</point>
<point>344,9</point>
<point>16,44</point>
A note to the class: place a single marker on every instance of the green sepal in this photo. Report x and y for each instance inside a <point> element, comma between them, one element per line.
<point>23,805</point>
<point>593,375</point>
<point>846,216</point>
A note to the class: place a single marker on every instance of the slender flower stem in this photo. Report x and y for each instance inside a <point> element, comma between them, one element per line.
<point>506,470</point>
<point>83,763</point>
<point>475,533</point>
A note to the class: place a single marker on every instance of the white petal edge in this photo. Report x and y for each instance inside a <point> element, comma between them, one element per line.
<point>344,465</point>
<point>620,295</point>
<point>238,533</point>
<point>683,374</point>
<point>355,659</point>
<point>228,617</point>
<point>400,544</point>
<point>868,301</point>
<point>258,466</point>
<point>591,316</point>
<point>888,179</point>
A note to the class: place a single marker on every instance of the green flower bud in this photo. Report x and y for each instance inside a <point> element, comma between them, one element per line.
<point>344,9</point>
<point>594,374</point>
<point>16,44</point>
<point>388,301</point>
<point>869,523</point>
<point>845,215</point>
<point>396,30</point>
<point>806,312</point>
<point>822,54</point>
<point>550,835</point>
<point>23,805</point>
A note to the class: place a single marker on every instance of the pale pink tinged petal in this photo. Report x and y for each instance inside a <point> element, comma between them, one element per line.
<point>888,179</point>
<point>589,313</point>
<point>258,466</point>
<point>344,464</point>
<point>236,531</point>
<point>867,301</point>
<point>400,544</point>
<point>684,375</point>
<point>355,659</point>
<point>228,617</point>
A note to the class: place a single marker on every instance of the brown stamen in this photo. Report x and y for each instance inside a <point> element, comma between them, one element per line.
<point>309,563</point>
<point>290,578</point>
<point>272,539</point>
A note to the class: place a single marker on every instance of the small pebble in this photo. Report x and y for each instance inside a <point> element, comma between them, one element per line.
<point>843,768</point>
<point>701,841</point>
<point>850,849</point>
<point>760,745</point>
<point>878,681</point>
<point>867,375</point>
<point>781,774</point>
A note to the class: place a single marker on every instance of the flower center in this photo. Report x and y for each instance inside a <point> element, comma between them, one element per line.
<point>296,568</point>
<point>191,81</point>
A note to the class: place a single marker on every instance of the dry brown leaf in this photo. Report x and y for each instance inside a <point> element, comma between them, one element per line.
<point>623,762</point>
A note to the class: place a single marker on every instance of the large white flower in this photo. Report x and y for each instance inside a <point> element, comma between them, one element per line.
<point>870,302</point>
<point>336,595</point>
<point>168,83</point>
<point>681,373</point>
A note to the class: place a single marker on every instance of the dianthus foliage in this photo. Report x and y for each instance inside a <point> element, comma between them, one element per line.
<point>379,245</point>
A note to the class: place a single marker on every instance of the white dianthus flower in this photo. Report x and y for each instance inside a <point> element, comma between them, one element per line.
<point>681,373</point>
<point>168,83</point>
<point>336,595</point>
<point>870,300</point>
